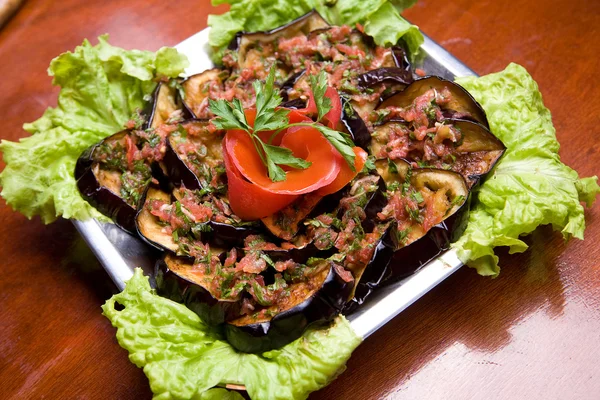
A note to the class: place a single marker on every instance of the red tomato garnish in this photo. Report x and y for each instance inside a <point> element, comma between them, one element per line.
<point>253,195</point>
<point>305,142</point>
<point>346,174</point>
<point>249,201</point>
<point>332,118</point>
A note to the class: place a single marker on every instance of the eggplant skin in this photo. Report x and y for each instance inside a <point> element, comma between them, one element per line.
<point>299,255</point>
<point>463,101</point>
<point>289,325</point>
<point>307,22</point>
<point>100,197</point>
<point>177,171</point>
<point>399,54</point>
<point>221,235</point>
<point>193,295</point>
<point>355,125</point>
<point>373,274</point>
<point>374,205</point>
<point>389,74</point>
<point>390,264</point>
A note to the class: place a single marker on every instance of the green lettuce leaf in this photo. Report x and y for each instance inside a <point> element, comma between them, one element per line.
<point>101,87</point>
<point>387,27</point>
<point>530,186</point>
<point>381,19</point>
<point>183,358</point>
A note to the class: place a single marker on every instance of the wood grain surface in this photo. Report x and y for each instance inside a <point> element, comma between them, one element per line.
<point>533,333</point>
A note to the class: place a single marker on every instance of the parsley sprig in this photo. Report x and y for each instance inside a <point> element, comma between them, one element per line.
<point>230,115</point>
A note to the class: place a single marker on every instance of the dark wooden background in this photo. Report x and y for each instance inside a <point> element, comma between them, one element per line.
<point>533,333</point>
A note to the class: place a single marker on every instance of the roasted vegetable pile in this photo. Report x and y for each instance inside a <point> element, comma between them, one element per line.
<point>267,255</point>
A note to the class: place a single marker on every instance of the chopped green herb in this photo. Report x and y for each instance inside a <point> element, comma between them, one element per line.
<point>416,196</point>
<point>402,235</point>
<point>318,84</point>
<point>392,167</point>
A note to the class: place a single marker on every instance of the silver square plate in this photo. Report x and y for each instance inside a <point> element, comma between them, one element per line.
<point>120,252</point>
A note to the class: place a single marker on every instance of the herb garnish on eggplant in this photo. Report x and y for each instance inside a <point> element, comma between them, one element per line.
<point>462,146</point>
<point>318,299</point>
<point>168,221</point>
<point>426,214</point>
<point>166,104</point>
<point>460,105</point>
<point>178,279</point>
<point>194,155</point>
<point>110,181</point>
<point>196,89</point>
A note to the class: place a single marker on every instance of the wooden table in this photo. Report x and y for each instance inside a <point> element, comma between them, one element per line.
<point>533,333</point>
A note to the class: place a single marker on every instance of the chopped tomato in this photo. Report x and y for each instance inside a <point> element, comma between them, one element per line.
<point>305,142</point>
<point>349,50</point>
<point>346,174</point>
<point>231,258</point>
<point>252,263</point>
<point>130,145</point>
<point>249,201</point>
<point>285,223</point>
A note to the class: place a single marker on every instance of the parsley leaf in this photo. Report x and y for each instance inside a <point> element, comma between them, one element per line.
<point>392,167</point>
<point>417,197</point>
<point>267,100</point>
<point>369,164</point>
<point>318,85</point>
<point>341,141</point>
<point>229,115</point>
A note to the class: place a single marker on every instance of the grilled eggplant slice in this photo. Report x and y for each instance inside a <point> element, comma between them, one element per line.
<point>165,104</point>
<point>103,187</point>
<point>368,277</point>
<point>245,43</point>
<point>319,299</point>
<point>409,244</point>
<point>472,151</point>
<point>193,152</point>
<point>196,90</point>
<point>148,226</point>
<point>180,280</point>
<point>450,195</point>
<point>478,151</point>
<point>462,104</point>
<point>152,231</point>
